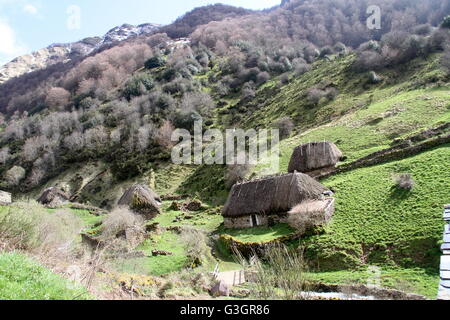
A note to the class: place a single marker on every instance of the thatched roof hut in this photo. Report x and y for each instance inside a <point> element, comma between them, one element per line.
<point>142,200</point>
<point>53,197</point>
<point>274,195</point>
<point>314,156</point>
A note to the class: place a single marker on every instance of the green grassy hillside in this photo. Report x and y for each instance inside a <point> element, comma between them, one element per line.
<point>23,279</point>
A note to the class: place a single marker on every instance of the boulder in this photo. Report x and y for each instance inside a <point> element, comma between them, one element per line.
<point>221,289</point>
<point>53,197</point>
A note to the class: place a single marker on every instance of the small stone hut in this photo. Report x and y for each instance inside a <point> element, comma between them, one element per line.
<point>142,200</point>
<point>315,158</point>
<point>53,197</point>
<point>267,201</point>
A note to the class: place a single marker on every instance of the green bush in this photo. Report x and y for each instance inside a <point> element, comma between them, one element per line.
<point>29,226</point>
<point>155,62</point>
<point>138,86</point>
<point>446,22</point>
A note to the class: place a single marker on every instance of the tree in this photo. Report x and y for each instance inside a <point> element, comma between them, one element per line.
<point>446,23</point>
<point>285,125</point>
<point>15,175</point>
<point>57,98</point>
<point>155,62</point>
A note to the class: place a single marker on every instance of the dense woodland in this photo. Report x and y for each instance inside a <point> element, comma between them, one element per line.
<point>122,103</point>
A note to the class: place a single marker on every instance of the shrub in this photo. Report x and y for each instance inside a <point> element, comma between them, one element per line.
<point>29,226</point>
<point>164,135</point>
<point>369,60</point>
<point>301,68</point>
<point>404,181</point>
<point>138,86</point>
<point>285,125</point>
<point>302,220</point>
<point>197,247</point>
<point>423,29</point>
<point>248,91</point>
<point>326,51</point>
<point>374,78</point>
<point>314,96</point>
<point>155,62</point>
<point>262,78</point>
<point>446,23</point>
<point>119,221</point>
<point>15,175</point>
<point>281,273</point>
<point>445,60</point>
<point>236,173</point>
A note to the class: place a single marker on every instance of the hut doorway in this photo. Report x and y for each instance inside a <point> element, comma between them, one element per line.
<point>255,220</point>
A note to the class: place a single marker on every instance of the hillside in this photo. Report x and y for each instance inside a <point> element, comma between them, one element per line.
<point>100,124</point>
<point>62,53</point>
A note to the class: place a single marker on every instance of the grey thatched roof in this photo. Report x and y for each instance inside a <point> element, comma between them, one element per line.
<point>313,156</point>
<point>141,199</point>
<point>53,196</point>
<point>274,195</point>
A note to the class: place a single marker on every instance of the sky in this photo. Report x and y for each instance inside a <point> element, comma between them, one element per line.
<point>28,25</point>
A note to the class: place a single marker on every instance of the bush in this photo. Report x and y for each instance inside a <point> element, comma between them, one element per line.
<point>155,62</point>
<point>236,173</point>
<point>29,226</point>
<point>369,60</point>
<point>404,181</point>
<point>374,78</point>
<point>302,220</point>
<point>197,248</point>
<point>314,96</point>
<point>445,61</point>
<point>285,125</point>
<point>280,274</point>
<point>119,221</point>
<point>138,85</point>
<point>15,175</point>
<point>446,23</point>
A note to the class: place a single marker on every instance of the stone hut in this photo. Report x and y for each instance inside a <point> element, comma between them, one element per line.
<point>141,200</point>
<point>53,197</point>
<point>267,201</point>
<point>315,158</point>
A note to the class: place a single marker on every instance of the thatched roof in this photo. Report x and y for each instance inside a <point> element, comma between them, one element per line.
<point>274,195</point>
<point>141,199</point>
<point>313,156</point>
<point>53,197</point>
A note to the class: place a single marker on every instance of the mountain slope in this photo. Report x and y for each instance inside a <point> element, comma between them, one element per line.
<point>65,52</point>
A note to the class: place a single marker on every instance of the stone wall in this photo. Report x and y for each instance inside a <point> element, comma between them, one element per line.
<point>5,198</point>
<point>391,154</point>
<point>244,222</point>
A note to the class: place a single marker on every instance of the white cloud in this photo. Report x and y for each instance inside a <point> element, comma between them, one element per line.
<point>29,8</point>
<point>10,47</point>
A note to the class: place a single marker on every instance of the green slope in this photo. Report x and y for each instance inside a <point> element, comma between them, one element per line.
<point>23,279</point>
